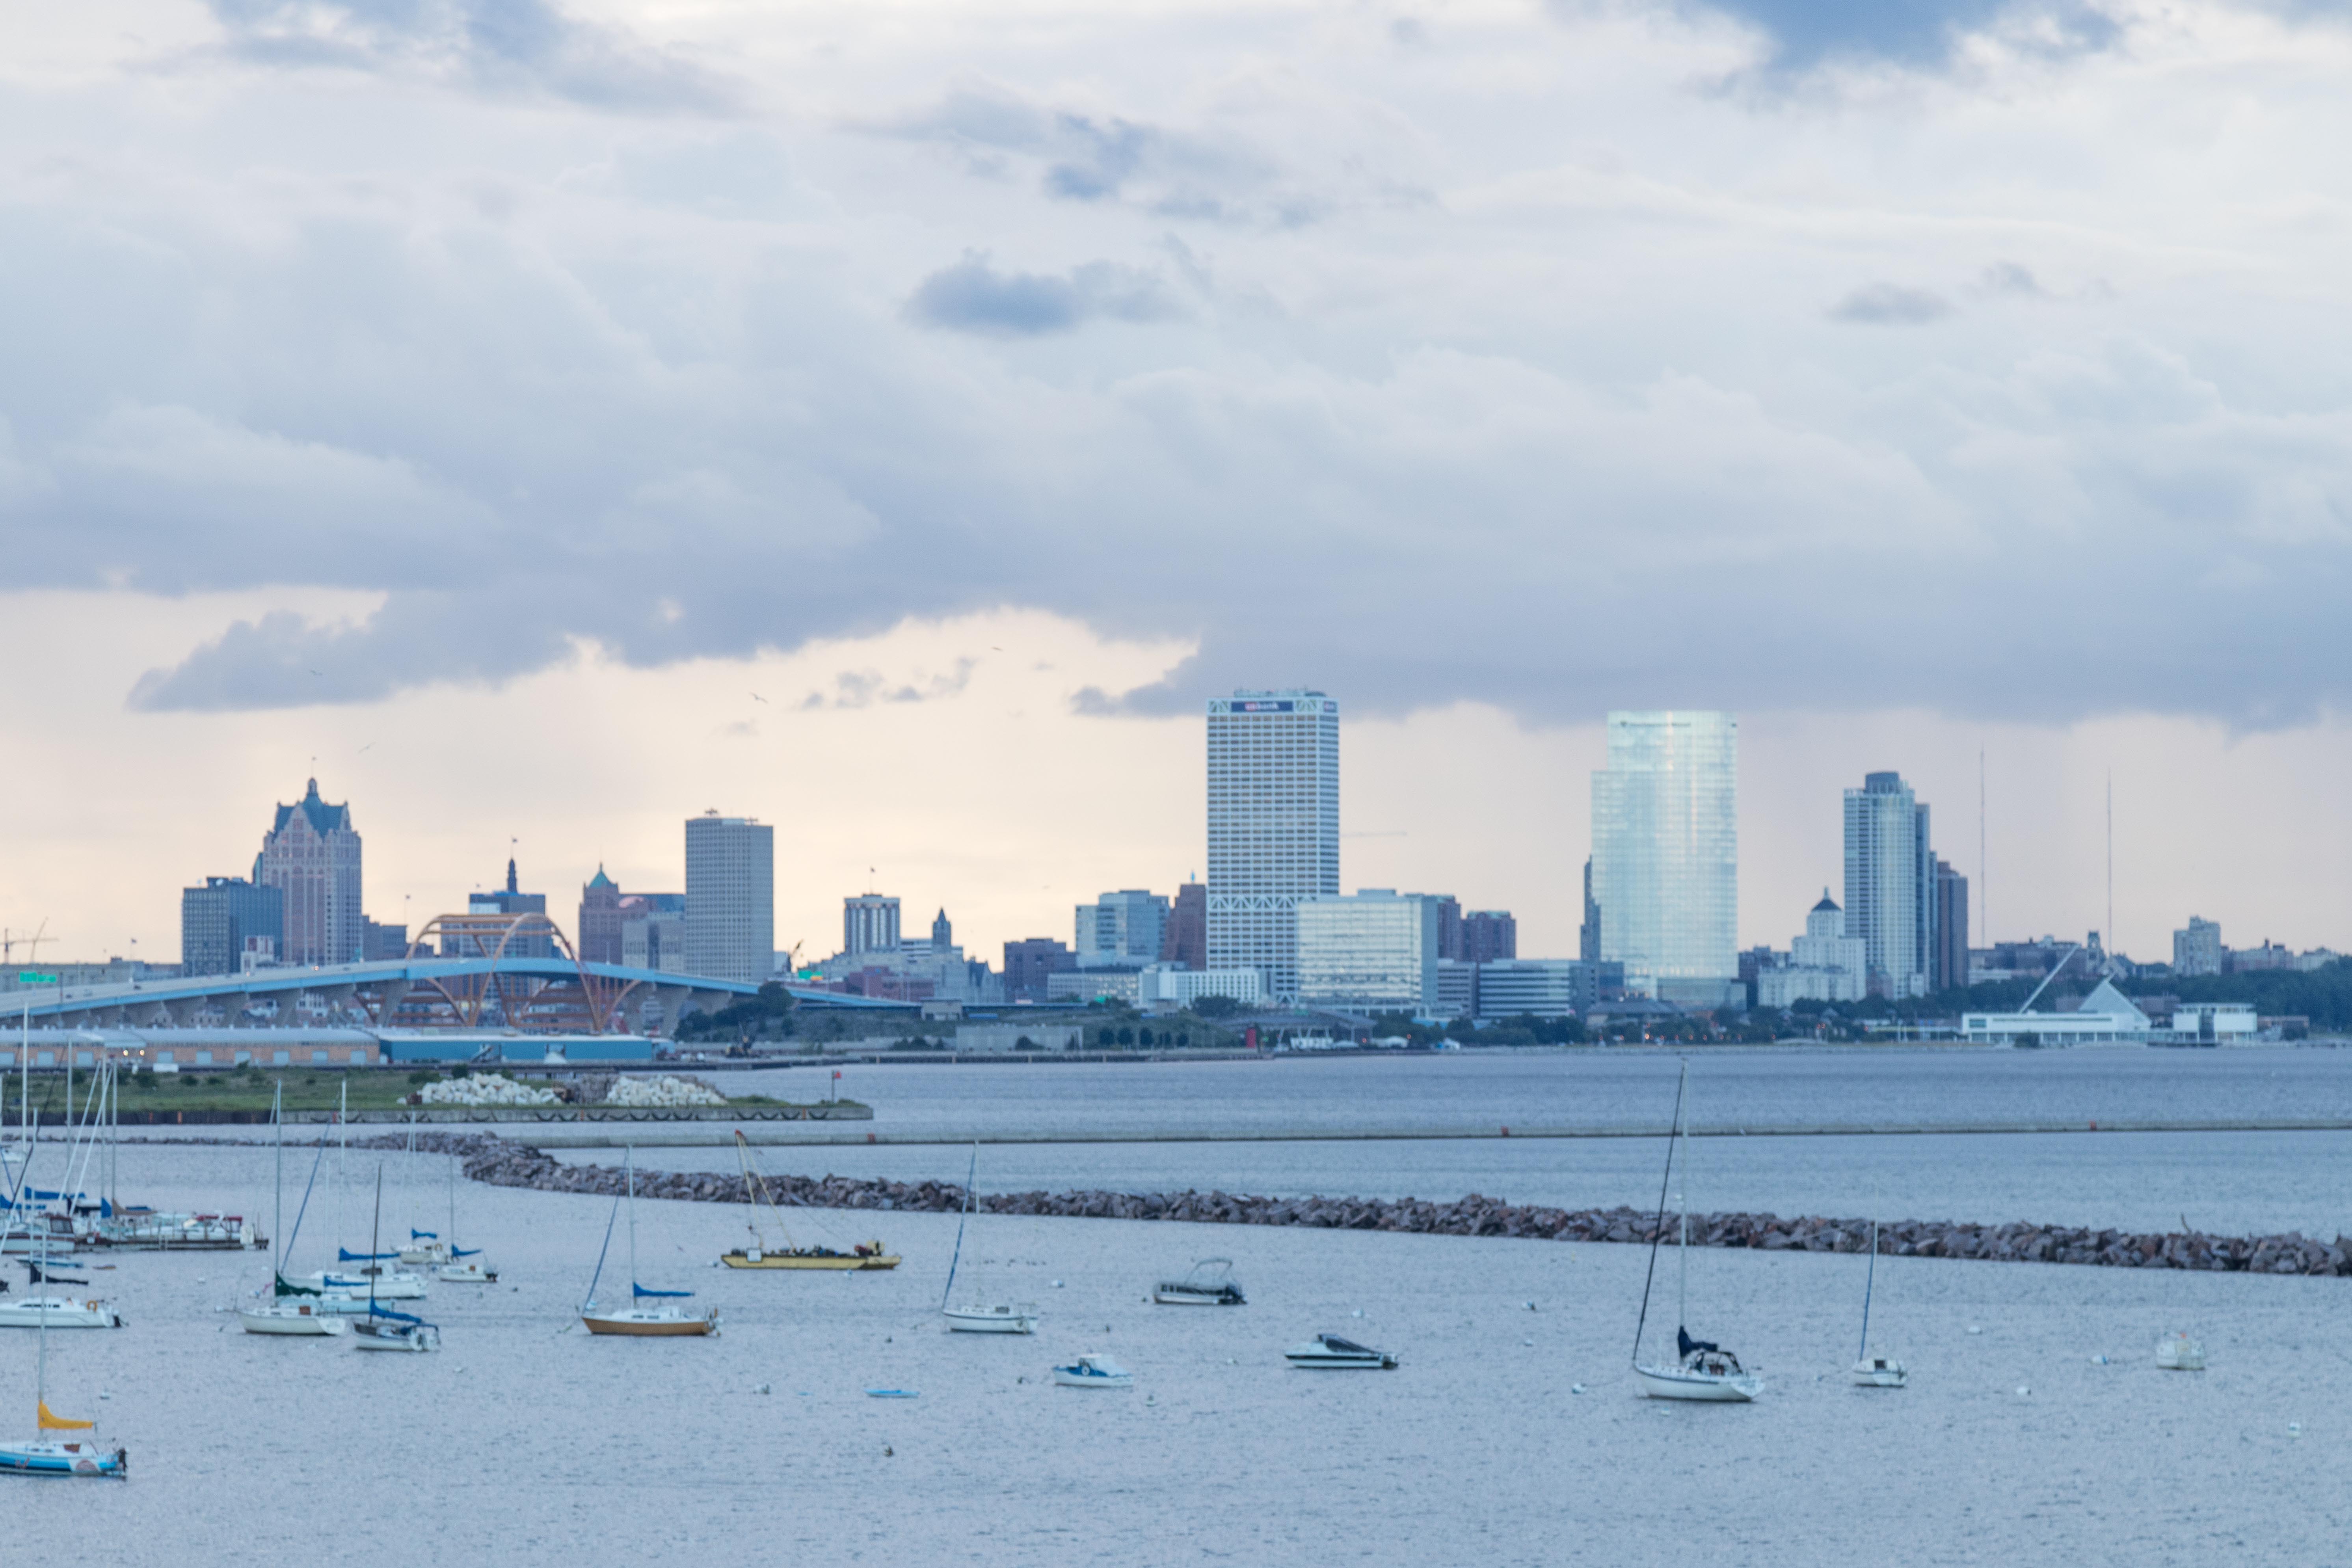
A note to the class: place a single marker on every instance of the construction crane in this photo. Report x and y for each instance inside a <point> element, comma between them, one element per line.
<point>11,941</point>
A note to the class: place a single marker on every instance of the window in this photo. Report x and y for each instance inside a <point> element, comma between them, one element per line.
<point>319,1058</point>
<point>203,1058</point>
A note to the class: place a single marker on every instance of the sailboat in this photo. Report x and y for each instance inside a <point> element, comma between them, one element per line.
<point>290,1309</point>
<point>462,1265</point>
<point>663,1317</point>
<point>347,1289</point>
<point>43,1455</point>
<point>383,1328</point>
<point>423,1250</point>
<point>1870,1370</point>
<point>46,1313</point>
<point>760,1255</point>
<point>1702,1370</point>
<point>980,1317</point>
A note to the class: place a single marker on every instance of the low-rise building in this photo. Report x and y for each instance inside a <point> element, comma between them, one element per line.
<point>1824,965</point>
<point>1375,950</point>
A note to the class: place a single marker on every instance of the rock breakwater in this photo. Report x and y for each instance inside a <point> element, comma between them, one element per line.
<point>501,1164</point>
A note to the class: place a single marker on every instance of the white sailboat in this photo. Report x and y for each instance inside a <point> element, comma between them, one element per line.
<point>43,1455</point>
<point>1870,1370</point>
<point>383,1328</point>
<point>980,1317</point>
<point>660,1320</point>
<point>459,1265</point>
<point>288,1310</point>
<point>423,1248</point>
<point>360,1277</point>
<point>1702,1371</point>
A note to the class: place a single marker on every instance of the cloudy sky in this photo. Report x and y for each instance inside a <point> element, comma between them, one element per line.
<point>892,419</point>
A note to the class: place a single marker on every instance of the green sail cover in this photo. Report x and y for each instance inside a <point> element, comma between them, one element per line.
<point>287,1287</point>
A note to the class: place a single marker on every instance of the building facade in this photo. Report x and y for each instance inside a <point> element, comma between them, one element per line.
<point>653,931</point>
<point>599,931</point>
<point>1538,987</point>
<point>1890,884</point>
<point>869,924</point>
<point>2197,949</point>
<point>384,941</point>
<point>216,919</point>
<point>1488,936</point>
<point>1588,935</point>
<point>536,942</point>
<point>1665,853</point>
<point>1128,927</point>
<point>731,897</point>
<point>1951,966</point>
<point>1185,942</point>
<point>1030,962</point>
<point>1373,951</point>
<point>311,855</point>
<point>1824,965</point>
<point>1273,826</point>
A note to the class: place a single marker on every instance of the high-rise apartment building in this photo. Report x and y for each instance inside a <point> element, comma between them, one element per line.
<point>869,924</point>
<point>1665,853</point>
<point>311,855</point>
<point>1376,950</point>
<point>1488,936</point>
<point>1122,928</point>
<point>1951,969</point>
<point>2197,949</point>
<point>1449,928</point>
<point>1890,884</point>
<point>731,897</point>
<point>216,918</point>
<point>1186,940</point>
<point>1031,963</point>
<point>599,932</point>
<point>1273,826</point>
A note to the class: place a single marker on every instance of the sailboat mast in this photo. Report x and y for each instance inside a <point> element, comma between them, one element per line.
<point>971,1201</point>
<point>631,1162</point>
<point>1868,1279</point>
<point>277,1187</point>
<point>342,1142</point>
<point>1681,1242</point>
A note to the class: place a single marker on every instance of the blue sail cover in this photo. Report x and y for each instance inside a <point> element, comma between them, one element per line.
<point>640,1291</point>
<point>343,1255</point>
<point>417,1234</point>
<point>465,1252</point>
<point>378,1310</point>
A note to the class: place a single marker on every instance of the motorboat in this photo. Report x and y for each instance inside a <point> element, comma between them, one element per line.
<point>291,1317</point>
<point>663,1318</point>
<point>58,1312</point>
<point>1093,1372</point>
<point>2178,1353</point>
<point>1704,1372</point>
<point>1879,1372</point>
<point>469,1272</point>
<point>424,1250</point>
<point>1330,1353</point>
<point>175,1232</point>
<point>975,1318</point>
<point>980,1317</point>
<point>1209,1283</point>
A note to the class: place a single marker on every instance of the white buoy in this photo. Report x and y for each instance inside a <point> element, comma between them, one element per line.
<point>1576,1388</point>
<point>1974,1329</point>
<point>2023,1391</point>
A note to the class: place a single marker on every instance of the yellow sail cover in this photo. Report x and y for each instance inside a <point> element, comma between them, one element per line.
<point>52,1423</point>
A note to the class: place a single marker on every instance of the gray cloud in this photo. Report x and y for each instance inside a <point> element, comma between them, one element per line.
<point>2011,277</point>
<point>502,46</point>
<point>973,296</point>
<point>865,688</point>
<point>1891,304</point>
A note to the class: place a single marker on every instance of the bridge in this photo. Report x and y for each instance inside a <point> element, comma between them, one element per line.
<point>517,967</point>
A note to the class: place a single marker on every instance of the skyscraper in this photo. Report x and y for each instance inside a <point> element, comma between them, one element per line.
<point>1890,884</point>
<point>311,855</point>
<point>1186,940</point>
<point>869,924</point>
<point>731,897</point>
<point>1273,826</point>
<point>1488,936</point>
<point>600,920</point>
<point>216,918</point>
<point>1588,935</point>
<point>1665,852</point>
<point>1122,928</point>
<point>1951,967</point>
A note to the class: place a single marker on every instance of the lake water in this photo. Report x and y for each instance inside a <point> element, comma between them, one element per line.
<point>527,1441</point>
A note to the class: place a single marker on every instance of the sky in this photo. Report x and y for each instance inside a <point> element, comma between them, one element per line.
<point>541,422</point>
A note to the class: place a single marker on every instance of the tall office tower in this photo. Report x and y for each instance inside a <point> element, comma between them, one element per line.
<point>1186,940</point>
<point>1273,826</point>
<point>1665,853</point>
<point>869,924</point>
<point>1588,935</point>
<point>1449,928</point>
<point>730,898</point>
<point>1951,929</point>
<point>1890,884</point>
<point>1488,936</point>
<point>599,932</point>
<point>311,855</point>
<point>1122,928</point>
<point>535,943</point>
<point>216,918</point>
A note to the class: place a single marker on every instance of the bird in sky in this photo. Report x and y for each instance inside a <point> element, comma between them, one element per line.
<point>757,698</point>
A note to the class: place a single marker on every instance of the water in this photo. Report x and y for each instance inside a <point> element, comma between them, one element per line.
<point>527,1441</point>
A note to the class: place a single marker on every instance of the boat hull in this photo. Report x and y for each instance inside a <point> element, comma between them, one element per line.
<point>1879,1373</point>
<point>1702,1387</point>
<point>990,1321</point>
<point>629,1326</point>
<point>64,1460</point>
<point>1066,1378</point>
<point>78,1315</point>
<point>297,1322</point>
<point>414,1339</point>
<point>1176,1295</point>
<point>1343,1363</point>
<point>465,1274</point>
<point>740,1259</point>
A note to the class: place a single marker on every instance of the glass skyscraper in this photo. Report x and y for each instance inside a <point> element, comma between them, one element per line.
<point>1890,884</point>
<point>1666,851</point>
<point>1273,826</point>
